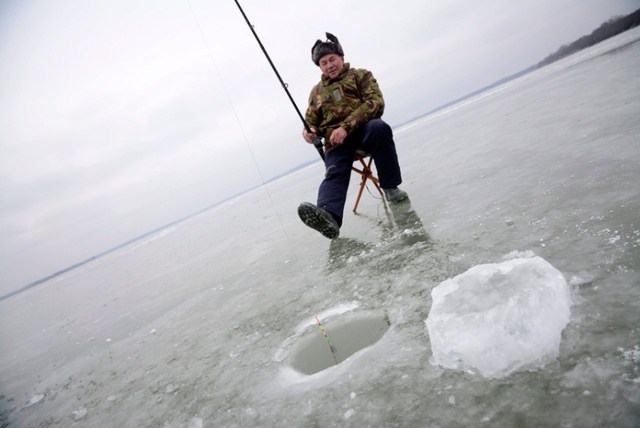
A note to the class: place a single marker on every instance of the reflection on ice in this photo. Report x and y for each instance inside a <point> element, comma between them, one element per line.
<point>400,228</point>
<point>499,318</point>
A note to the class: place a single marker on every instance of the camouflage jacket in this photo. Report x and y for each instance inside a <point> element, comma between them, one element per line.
<point>348,101</point>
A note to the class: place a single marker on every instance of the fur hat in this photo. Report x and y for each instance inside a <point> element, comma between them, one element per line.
<point>320,48</point>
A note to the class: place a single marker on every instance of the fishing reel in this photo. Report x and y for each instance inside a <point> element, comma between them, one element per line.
<point>319,145</point>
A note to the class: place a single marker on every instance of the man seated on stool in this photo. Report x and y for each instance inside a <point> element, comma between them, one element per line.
<point>345,109</point>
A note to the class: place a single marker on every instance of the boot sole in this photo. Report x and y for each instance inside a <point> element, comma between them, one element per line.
<point>317,220</point>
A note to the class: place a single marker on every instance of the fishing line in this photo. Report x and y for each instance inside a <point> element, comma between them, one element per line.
<point>246,140</point>
<point>317,144</point>
<point>226,92</point>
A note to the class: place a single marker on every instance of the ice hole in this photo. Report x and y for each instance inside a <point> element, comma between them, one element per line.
<point>312,353</point>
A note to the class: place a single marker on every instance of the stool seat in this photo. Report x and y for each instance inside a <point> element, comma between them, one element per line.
<point>365,173</point>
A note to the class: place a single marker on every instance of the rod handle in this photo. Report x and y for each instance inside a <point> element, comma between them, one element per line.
<point>317,143</point>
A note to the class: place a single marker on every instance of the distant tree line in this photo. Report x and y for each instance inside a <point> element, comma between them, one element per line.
<point>613,26</point>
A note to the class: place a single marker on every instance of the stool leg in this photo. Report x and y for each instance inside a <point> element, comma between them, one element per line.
<point>366,174</point>
<point>363,183</point>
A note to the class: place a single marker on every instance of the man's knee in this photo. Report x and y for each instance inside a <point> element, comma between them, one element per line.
<point>378,126</point>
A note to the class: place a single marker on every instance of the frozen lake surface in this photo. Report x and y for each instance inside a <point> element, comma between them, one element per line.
<point>205,324</point>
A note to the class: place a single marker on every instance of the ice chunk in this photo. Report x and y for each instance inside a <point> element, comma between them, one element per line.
<point>499,318</point>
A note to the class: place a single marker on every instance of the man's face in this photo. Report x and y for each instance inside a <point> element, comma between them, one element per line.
<point>331,65</point>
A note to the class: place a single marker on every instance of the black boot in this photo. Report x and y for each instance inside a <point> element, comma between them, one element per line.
<point>395,195</point>
<point>319,219</point>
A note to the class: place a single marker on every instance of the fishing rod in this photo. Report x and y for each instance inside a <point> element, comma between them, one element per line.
<point>317,143</point>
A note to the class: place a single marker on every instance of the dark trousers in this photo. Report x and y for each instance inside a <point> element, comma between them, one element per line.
<point>376,138</point>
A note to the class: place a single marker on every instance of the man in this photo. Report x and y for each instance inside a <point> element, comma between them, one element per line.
<point>345,109</point>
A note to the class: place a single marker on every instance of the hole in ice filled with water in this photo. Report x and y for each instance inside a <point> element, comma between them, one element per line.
<point>347,335</point>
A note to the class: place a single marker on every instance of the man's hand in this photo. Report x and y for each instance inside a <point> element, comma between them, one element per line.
<point>338,136</point>
<point>309,136</point>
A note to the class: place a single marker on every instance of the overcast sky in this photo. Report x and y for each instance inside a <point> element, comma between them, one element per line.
<point>119,116</point>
